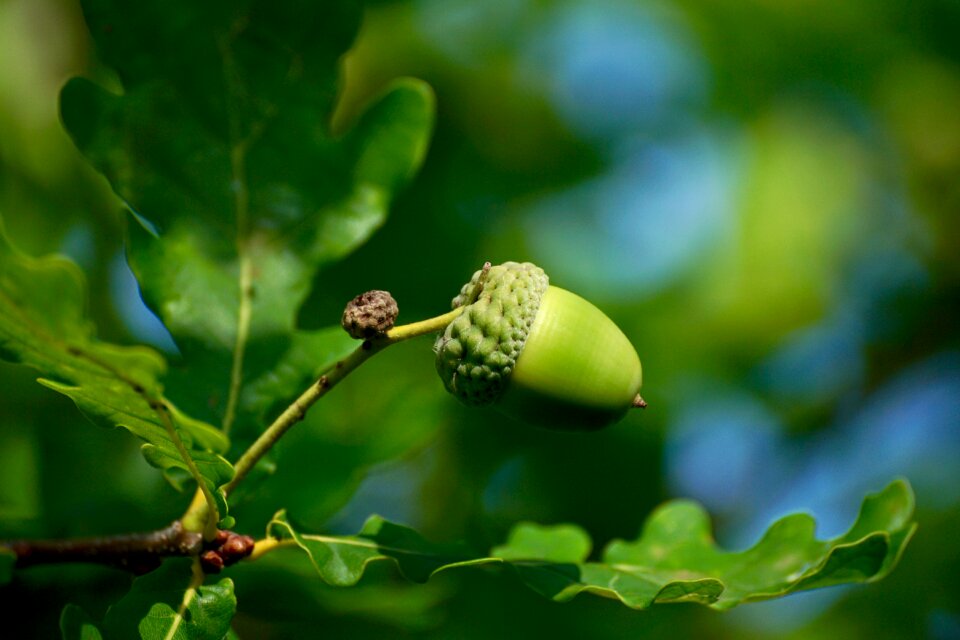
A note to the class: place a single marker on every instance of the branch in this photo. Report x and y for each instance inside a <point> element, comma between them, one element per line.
<point>136,552</point>
<point>143,552</point>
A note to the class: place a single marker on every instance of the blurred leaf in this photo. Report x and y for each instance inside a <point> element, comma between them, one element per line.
<point>310,354</point>
<point>339,442</point>
<point>43,324</point>
<point>19,473</point>
<point>674,560</point>
<point>155,599</point>
<point>7,560</point>
<point>75,624</point>
<point>221,146</point>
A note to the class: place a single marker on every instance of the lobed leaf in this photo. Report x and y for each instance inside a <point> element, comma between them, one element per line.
<point>220,144</point>
<point>674,560</point>
<point>43,324</point>
<point>168,603</point>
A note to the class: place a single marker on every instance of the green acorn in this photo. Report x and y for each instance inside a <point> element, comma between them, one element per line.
<point>537,352</point>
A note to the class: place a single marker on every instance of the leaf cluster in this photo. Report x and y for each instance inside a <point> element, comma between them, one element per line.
<point>216,136</point>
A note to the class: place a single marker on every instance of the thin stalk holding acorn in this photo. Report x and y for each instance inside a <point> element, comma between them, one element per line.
<point>577,370</point>
<point>298,410</point>
<point>535,352</point>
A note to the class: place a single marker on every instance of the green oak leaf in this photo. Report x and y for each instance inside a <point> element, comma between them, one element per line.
<point>213,468</point>
<point>169,603</point>
<point>43,324</point>
<point>562,543</point>
<point>220,144</point>
<point>75,624</point>
<point>674,560</point>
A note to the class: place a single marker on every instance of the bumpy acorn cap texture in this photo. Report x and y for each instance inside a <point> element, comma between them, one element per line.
<point>477,352</point>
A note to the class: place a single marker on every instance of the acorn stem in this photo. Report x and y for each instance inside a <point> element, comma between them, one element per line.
<point>329,379</point>
<point>414,329</point>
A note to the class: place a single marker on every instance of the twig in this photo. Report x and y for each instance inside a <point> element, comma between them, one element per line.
<point>136,552</point>
<point>143,552</point>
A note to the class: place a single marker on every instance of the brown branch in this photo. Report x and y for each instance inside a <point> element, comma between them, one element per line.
<point>136,552</point>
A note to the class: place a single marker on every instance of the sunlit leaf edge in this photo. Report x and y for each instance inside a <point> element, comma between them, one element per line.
<point>562,581</point>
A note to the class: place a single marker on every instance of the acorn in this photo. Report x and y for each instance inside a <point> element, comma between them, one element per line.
<point>537,352</point>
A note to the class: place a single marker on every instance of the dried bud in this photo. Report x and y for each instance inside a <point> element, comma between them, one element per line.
<point>369,314</point>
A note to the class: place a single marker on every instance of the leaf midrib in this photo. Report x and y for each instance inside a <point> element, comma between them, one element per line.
<point>239,145</point>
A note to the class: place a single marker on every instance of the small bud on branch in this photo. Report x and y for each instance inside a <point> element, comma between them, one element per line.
<point>139,553</point>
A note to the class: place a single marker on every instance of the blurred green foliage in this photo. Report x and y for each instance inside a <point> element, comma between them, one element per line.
<point>762,194</point>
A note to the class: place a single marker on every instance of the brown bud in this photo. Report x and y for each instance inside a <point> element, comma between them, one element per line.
<point>211,561</point>
<point>369,314</point>
<point>236,548</point>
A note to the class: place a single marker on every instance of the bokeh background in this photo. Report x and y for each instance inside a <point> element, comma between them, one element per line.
<point>764,194</point>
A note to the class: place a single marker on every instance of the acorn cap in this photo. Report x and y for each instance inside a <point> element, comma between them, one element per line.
<point>537,353</point>
<point>478,351</point>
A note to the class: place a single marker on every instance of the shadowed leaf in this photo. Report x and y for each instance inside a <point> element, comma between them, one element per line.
<point>220,144</point>
<point>152,608</point>
<point>341,561</point>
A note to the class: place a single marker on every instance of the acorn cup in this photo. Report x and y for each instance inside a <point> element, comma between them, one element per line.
<point>537,353</point>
